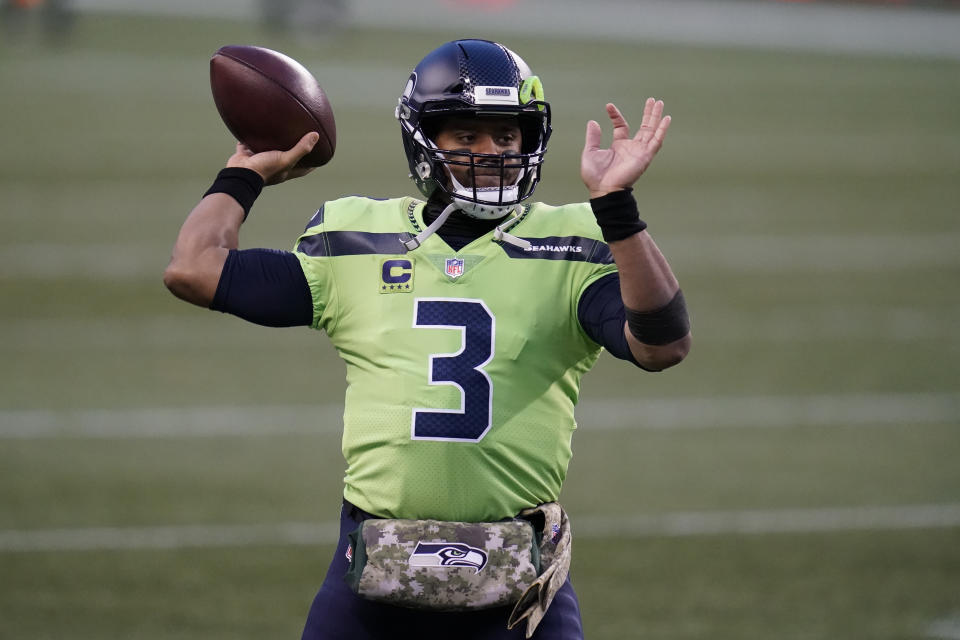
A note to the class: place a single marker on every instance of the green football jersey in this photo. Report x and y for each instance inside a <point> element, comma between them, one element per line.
<point>463,367</point>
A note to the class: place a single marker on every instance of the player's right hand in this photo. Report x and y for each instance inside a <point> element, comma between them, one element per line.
<point>275,166</point>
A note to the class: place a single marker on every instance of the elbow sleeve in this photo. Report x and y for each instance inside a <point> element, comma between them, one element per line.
<point>266,287</point>
<point>602,316</point>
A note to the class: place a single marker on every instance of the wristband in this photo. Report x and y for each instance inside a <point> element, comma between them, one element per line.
<point>241,184</point>
<point>660,326</point>
<point>617,215</point>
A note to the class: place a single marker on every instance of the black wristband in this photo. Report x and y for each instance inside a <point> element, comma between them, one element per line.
<point>241,184</point>
<point>660,326</point>
<point>617,215</point>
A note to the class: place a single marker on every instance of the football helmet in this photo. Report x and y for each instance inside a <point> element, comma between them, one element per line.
<point>474,78</point>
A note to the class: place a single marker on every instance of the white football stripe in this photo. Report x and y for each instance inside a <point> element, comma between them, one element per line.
<point>692,523</point>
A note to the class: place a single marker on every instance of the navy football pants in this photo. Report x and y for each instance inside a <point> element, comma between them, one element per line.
<point>339,614</point>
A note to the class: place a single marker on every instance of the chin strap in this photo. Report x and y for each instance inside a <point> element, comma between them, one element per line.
<point>499,233</point>
<point>418,239</point>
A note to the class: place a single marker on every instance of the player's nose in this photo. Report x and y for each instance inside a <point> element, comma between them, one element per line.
<point>486,144</point>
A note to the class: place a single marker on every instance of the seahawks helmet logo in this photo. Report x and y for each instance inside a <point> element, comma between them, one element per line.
<point>447,554</point>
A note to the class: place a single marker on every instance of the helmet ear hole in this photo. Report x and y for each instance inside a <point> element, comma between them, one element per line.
<point>430,127</point>
<point>530,135</point>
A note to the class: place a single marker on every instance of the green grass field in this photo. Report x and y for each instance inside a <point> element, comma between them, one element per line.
<point>808,204</point>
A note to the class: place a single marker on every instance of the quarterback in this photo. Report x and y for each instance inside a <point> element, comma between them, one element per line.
<point>459,410</point>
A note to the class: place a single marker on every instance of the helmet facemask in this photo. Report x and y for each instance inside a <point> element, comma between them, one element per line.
<point>514,174</point>
<point>474,79</point>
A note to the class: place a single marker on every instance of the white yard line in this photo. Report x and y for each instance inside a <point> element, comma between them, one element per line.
<point>771,411</point>
<point>848,323</point>
<point>945,628</point>
<point>696,523</point>
<point>860,410</point>
<point>693,523</point>
<point>192,422</point>
<point>815,253</point>
<point>168,537</point>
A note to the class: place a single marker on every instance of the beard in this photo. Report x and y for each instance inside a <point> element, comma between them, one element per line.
<point>484,176</point>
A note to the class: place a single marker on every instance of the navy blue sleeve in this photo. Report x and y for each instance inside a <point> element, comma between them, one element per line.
<point>264,286</point>
<point>601,314</point>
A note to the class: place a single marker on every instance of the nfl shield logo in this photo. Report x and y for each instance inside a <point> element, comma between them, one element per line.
<point>454,267</point>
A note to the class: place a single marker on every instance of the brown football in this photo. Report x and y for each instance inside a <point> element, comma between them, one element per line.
<point>269,101</point>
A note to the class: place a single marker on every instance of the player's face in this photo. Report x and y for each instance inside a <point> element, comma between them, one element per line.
<point>489,135</point>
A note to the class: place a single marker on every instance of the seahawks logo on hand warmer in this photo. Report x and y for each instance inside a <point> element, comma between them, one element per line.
<point>447,554</point>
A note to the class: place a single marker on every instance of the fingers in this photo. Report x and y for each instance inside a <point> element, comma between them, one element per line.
<point>242,151</point>
<point>661,131</point>
<point>240,156</point>
<point>650,136</point>
<point>621,130</point>
<point>292,156</point>
<point>594,134</point>
<point>650,108</point>
<point>653,126</point>
<point>652,121</point>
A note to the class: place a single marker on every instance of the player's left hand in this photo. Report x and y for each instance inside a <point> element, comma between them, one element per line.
<point>616,168</point>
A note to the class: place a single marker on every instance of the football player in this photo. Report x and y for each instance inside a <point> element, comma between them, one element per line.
<point>466,318</point>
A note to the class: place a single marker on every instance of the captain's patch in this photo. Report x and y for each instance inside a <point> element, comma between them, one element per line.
<point>396,275</point>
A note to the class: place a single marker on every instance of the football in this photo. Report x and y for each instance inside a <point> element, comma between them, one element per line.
<point>269,101</point>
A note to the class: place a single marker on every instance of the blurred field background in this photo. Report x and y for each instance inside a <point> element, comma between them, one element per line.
<point>167,472</point>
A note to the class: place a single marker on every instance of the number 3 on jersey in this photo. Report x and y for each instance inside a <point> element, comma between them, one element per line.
<point>463,369</point>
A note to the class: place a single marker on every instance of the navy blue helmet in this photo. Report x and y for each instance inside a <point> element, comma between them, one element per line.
<point>474,78</point>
